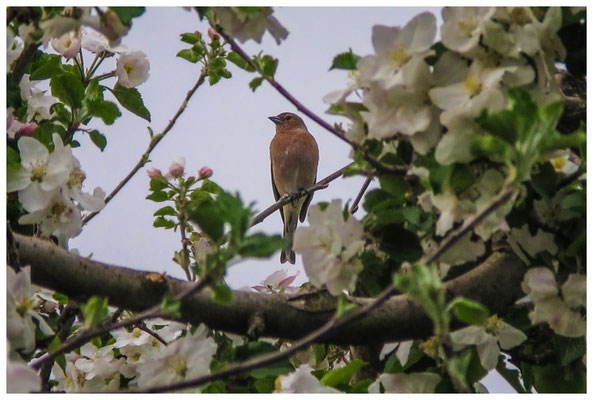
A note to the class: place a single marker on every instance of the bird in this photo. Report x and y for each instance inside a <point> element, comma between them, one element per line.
<point>294,156</point>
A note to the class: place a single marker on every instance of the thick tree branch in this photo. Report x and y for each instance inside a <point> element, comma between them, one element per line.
<point>153,143</point>
<point>495,284</point>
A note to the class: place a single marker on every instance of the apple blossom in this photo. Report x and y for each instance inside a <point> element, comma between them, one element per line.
<point>301,381</point>
<point>562,314</point>
<point>68,45</point>
<point>176,168</point>
<point>38,103</point>
<point>486,338</point>
<point>522,240</point>
<point>278,281</point>
<point>463,26</point>
<point>21,305</point>
<point>20,378</point>
<point>153,172</point>
<point>415,382</point>
<point>330,247</point>
<point>132,69</point>
<point>395,47</point>
<point>41,172</point>
<point>201,248</point>
<point>205,173</point>
<point>244,25</point>
<point>186,358</point>
<point>14,47</point>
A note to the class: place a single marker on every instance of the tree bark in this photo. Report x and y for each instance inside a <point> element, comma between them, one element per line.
<point>495,283</point>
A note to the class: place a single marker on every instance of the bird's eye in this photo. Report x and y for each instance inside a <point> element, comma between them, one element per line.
<point>288,117</point>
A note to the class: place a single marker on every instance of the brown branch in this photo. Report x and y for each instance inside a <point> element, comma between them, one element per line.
<point>496,284</point>
<point>153,311</point>
<point>363,189</point>
<point>322,184</point>
<point>153,143</point>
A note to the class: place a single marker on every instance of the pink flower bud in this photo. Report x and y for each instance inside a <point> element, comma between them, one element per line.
<point>205,173</point>
<point>26,130</point>
<point>213,34</point>
<point>153,172</point>
<point>176,168</point>
<point>198,33</point>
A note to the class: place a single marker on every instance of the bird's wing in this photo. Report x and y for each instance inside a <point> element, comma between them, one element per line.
<point>275,190</point>
<point>306,203</point>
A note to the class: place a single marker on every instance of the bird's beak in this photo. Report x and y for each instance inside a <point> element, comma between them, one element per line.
<point>276,120</point>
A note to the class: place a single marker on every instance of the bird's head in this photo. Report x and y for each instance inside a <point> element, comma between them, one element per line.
<point>287,121</point>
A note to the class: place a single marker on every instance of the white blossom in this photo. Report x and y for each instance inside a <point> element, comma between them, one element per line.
<point>301,381</point>
<point>38,103</point>
<point>415,382</point>
<point>68,45</point>
<point>278,281</point>
<point>562,314</point>
<point>244,25</point>
<point>14,47</point>
<point>186,358</point>
<point>21,309</point>
<point>463,26</point>
<point>487,338</point>
<point>132,69</point>
<point>330,247</point>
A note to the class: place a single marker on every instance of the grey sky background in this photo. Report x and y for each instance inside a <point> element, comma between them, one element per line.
<point>224,127</point>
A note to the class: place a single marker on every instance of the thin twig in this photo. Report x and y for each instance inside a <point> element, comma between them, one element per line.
<point>155,140</point>
<point>455,236</point>
<point>363,189</point>
<point>142,326</point>
<point>86,335</point>
<point>322,184</point>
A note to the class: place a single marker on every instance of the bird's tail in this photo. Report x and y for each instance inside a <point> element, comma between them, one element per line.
<point>290,225</point>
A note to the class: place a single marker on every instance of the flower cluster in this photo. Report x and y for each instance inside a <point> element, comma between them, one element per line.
<point>49,187</point>
<point>142,359</point>
<point>330,247</point>
<point>564,309</point>
<point>411,92</point>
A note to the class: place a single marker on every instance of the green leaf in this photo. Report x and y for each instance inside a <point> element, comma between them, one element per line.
<point>55,345</point>
<point>213,77</point>
<point>265,385</point>
<point>162,222</point>
<point>341,376</point>
<point>46,66</point>
<point>569,349</point>
<point>221,293</point>
<point>13,160</point>
<point>211,187</point>
<point>255,349</point>
<point>126,14</point>
<point>208,217</point>
<point>396,186</point>
<point>61,113</point>
<point>361,386</point>
<point>106,110</point>
<point>215,387</point>
<point>62,299</point>
<point>346,61</point>
<point>158,196</point>
<point>168,210</point>
<point>320,352</point>
<point>98,139</point>
<point>68,88</point>
<point>236,59</point>
<point>468,311</point>
<point>95,312</point>
<point>544,181</point>
<point>269,65</point>
<point>261,245</point>
<point>158,183</point>
<point>190,55</point>
<point>344,306</point>
<point>400,244</point>
<point>131,100</point>
<point>93,90</point>
<point>171,307</point>
<point>255,83</point>
<point>191,38</point>
<point>552,379</point>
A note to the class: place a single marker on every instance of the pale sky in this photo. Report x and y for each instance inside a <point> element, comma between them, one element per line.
<point>224,127</point>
